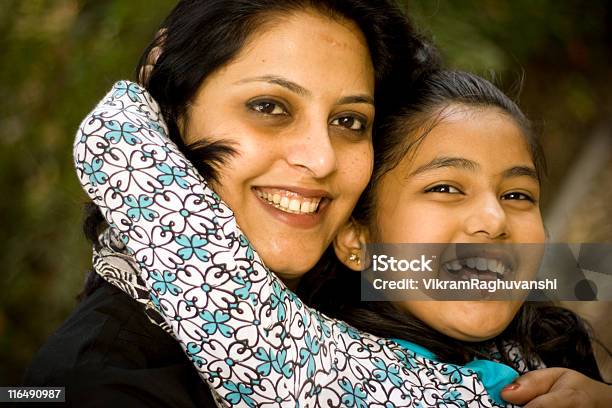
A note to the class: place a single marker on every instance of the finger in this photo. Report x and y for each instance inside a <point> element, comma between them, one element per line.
<point>565,398</point>
<point>531,385</point>
<point>154,55</point>
<point>145,74</point>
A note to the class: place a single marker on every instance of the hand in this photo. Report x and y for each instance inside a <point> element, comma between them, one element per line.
<point>558,387</point>
<point>145,71</point>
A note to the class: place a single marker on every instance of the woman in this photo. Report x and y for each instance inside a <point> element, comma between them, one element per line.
<point>264,110</point>
<point>256,343</point>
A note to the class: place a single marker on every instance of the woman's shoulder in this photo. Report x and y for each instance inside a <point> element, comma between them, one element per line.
<point>107,350</point>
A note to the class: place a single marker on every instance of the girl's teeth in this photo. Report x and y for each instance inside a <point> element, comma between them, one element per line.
<point>276,198</point>
<point>284,202</point>
<point>478,265</point>
<point>305,207</point>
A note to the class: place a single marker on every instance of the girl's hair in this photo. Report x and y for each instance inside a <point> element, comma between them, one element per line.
<point>200,36</point>
<point>556,335</point>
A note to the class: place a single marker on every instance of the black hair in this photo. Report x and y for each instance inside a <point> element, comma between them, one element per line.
<point>541,331</point>
<point>200,36</point>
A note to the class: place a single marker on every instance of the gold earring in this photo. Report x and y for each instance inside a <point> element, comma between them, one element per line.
<point>354,257</point>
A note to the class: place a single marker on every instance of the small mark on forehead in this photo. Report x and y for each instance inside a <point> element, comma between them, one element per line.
<point>333,41</point>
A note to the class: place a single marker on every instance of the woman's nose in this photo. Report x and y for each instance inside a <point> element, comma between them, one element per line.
<point>487,218</point>
<point>312,151</point>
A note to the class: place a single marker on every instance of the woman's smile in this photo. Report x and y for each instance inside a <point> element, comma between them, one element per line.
<point>301,132</point>
<point>304,209</point>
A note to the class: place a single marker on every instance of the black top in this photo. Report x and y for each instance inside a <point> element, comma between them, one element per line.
<point>107,353</point>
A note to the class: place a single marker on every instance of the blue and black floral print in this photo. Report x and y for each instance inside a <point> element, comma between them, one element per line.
<point>251,338</point>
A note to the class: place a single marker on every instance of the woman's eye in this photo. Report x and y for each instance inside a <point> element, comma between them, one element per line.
<point>350,123</point>
<point>443,188</point>
<point>517,196</point>
<point>267,107</point>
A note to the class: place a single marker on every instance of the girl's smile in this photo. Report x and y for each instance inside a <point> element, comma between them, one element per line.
<point>470,179</point>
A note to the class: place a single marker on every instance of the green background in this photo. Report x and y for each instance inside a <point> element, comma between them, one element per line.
<point>60,56</point>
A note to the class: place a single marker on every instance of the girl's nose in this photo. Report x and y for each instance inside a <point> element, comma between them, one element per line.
<point>487,218</point>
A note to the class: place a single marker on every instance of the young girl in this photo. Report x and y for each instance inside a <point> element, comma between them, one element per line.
<point>474,175</point>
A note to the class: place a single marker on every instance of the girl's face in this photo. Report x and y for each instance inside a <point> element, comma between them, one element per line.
<point>297,105</point>
<point>471,180</point>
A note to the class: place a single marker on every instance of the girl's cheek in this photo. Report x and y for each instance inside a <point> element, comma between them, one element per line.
<point>529,229</point>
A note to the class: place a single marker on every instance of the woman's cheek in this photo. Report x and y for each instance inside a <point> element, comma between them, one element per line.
<point>356,169</point>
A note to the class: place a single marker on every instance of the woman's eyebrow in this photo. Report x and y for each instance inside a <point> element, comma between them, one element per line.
<point>276,80</point>
<point>300,90</point>
<point>441,162</point>
<point>356,99</point>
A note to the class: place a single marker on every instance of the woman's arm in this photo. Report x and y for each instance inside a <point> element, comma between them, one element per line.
<point>243,329</point>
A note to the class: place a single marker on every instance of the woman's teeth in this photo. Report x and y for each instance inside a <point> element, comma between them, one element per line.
<point>294,203</point>
<point>478,265</point>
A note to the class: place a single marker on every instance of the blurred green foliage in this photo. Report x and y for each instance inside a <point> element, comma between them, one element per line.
<point>60,56</point>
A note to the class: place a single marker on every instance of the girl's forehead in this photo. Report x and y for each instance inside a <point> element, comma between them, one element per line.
<point>476,134</point>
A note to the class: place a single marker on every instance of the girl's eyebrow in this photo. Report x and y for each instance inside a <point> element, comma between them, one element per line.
<point>465,164</point>
<point>519,171</point>
<point>441,162</point>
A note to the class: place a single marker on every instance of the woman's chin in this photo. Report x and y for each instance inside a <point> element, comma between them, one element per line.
<point>288,262</point>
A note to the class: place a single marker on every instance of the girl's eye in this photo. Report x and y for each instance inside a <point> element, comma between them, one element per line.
<point>267,107</point>
<point>350,123</point>
<point>443,188</point>
<point>517,196</point>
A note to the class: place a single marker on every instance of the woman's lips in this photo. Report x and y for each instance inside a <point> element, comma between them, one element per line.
<point>289,201</point>
<point>298,207</point>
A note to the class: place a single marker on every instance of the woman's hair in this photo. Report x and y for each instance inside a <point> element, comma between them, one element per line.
<point>200,36</point>
<point>556,335</point>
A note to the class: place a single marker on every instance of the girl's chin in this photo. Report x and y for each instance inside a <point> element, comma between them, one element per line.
<point>482,327</point>
<point>478,335</point>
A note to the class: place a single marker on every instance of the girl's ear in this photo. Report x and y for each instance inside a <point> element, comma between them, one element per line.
<point>349,244</point>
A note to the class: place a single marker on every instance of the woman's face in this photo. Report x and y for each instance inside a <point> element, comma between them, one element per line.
<point>471,180</point>
<point>297,105</point>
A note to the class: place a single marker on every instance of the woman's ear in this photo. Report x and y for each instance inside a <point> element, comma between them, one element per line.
<point>349,244</point>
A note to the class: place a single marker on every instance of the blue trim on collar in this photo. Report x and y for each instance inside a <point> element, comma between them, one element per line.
<point>493,375</point>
